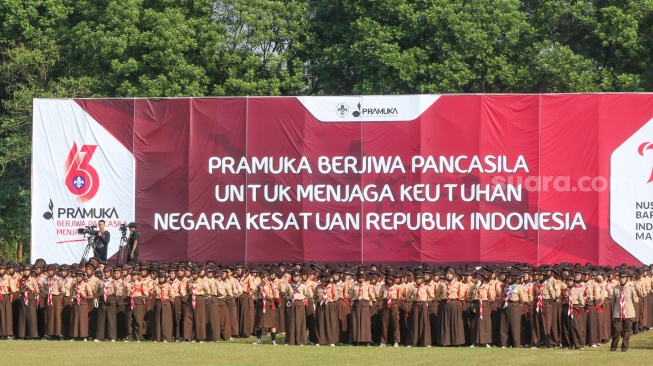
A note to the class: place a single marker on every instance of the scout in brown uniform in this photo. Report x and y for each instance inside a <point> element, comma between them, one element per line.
<point>624,297</point>
<point>498,276</point>
<point>16,277</point>
<point>389,297</point>
<point>573,301</point>
<point>511,313</point>
<point>278,281</point>
<point>465,305</point>
<point>374,280</point>
<point>606,314</point>
<point>555,280</point>
<point>434,303</point>
<point>643,299</point>
<point>343,305</point>
<point>419,327</point>
<point>123,308</point>
<point>27,311</point>
<point>223,294</point>
<point>648,280</point>
<point>212,308</point>
<point>479,295</point>
<point>232,305</point>
<point>362,295</point>
<point>148,302</point>
<point>241,278</point>
<point>542,316</point>
<point>105,293</point>
<point>326,313</point>
<point>82,292</point>
<point>150,281</point>
<point>295,296</point>
<point>310,306</point>
<point>344,313</point>
<point>265,294</point>
<point>582,276</point>
<point>187,305</point>
<point>176,281</point>
<point>7,288</point>
<point>53,288</point>
<point>450,319</point>
<point>163,295</point>
<point>525,281</point>
<point>207,276</point>
<point>40,276</point>
<point>404,278</point>
<point>252,312</point>
<point>197,289</point>
<point>137,294</point>
<point>245,302</point>
<point>593,303</point>
<point>67,296</point>
<point>232,302</point>
<point>93,281</point>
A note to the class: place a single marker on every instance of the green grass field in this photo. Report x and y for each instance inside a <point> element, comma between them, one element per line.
<point>242,352</point>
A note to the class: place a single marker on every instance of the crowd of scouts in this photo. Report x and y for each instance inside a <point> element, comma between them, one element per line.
<point>564,305</point>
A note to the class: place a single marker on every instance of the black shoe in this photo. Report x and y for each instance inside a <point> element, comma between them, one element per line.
<point>612,349</point>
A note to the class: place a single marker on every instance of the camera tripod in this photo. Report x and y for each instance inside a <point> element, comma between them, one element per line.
<point>89,245</point>
<point>123,243</point>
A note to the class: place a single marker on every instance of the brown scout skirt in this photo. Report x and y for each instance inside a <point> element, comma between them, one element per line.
<point>452,330</point>
<point>268,319</point>
<point>326,323</point>
<point>481,329</point>
<point>361,321</point>
<point>295,322</point>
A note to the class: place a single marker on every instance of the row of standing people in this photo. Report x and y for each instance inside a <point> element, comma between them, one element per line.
<point>523,306</point>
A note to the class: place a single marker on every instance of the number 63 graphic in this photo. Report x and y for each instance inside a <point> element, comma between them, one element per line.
<point>81,178</point>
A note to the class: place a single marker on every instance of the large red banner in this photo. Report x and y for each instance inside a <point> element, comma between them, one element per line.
<point>452,178</point>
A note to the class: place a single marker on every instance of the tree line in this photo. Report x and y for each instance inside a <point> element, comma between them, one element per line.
<point>165,48</point>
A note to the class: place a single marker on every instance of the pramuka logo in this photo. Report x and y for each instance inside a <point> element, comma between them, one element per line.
<point>343,110</point>
<point>80,213</point>
<point>81,178</point>
<point>642,148</point>
<point>48,215</point>
<point>82,181</point>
